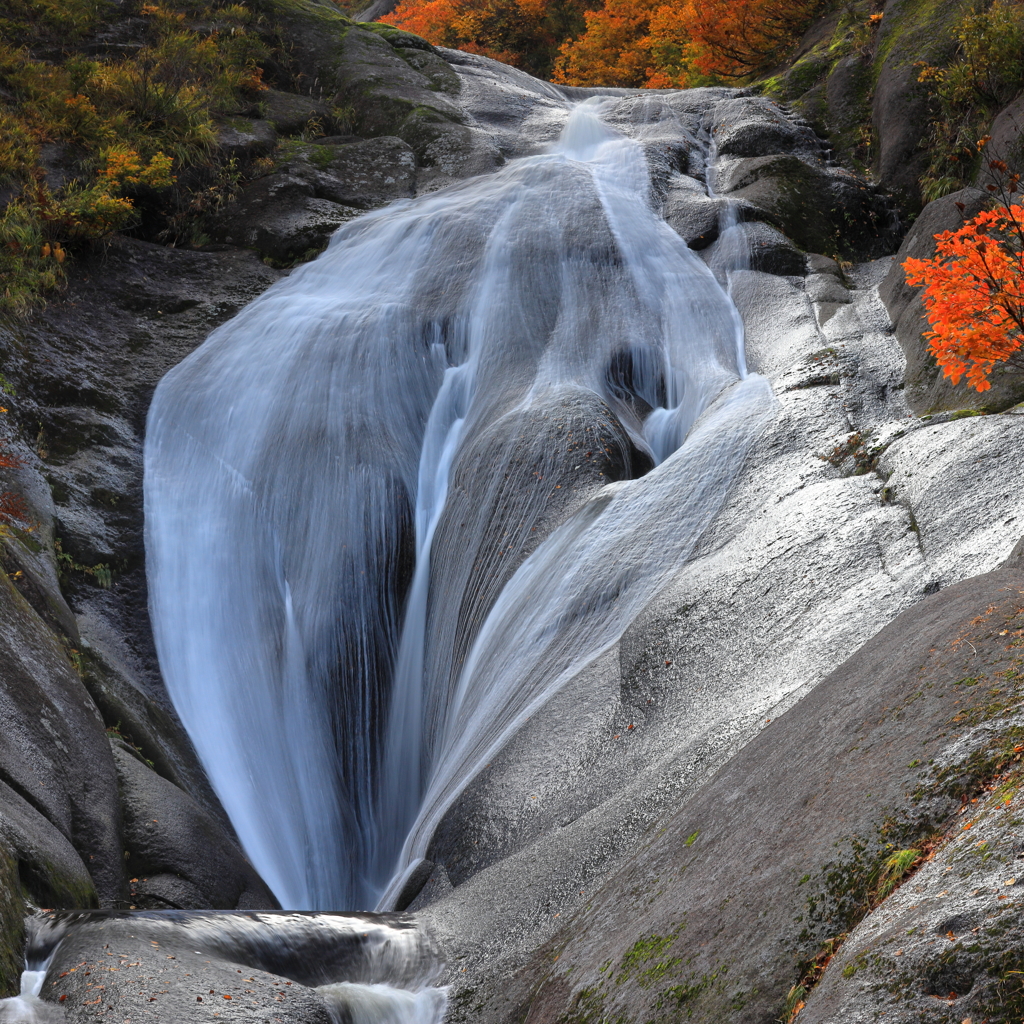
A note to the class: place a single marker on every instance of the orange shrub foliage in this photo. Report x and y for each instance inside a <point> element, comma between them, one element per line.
<point>974,293</point>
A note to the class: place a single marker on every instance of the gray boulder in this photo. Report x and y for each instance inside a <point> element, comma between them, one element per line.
<point>280,217</point>
<point>821,209</point>
<point>180,855</point>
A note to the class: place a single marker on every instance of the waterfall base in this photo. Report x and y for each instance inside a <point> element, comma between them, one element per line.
<point>206,966</point>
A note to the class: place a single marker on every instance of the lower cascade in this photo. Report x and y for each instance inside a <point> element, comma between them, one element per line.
<point>412,489</point>
<point>364,968</point>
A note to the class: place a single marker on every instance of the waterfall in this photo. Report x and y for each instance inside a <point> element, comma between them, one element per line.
<point>411,490</point>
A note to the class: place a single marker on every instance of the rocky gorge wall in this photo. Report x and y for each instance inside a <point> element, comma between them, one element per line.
<point>637,851</point>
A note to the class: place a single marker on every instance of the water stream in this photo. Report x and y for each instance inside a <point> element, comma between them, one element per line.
<point>406,494</point>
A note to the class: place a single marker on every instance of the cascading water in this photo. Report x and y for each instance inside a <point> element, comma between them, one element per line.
<point>404,496</point>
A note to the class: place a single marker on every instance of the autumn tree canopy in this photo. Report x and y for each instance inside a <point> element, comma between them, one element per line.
<point>524,33</point>
<point>635,43</point>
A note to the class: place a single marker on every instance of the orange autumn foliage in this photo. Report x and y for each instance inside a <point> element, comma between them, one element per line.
<point>523,33</point>
<point>974,294</point>
<point>732,38</point>
<point>634,43</point>
<point>658,45</point>
<point>616,49</point>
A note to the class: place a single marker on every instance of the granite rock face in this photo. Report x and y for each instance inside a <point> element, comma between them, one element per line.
<point>78,666</point>
<point>721,912</point>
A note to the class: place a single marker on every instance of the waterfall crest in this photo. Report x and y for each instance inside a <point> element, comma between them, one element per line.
<point>407,493</point>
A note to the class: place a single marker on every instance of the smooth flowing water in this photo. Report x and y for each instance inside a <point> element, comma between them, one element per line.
<point>406,494</point>
<point>367,969</point>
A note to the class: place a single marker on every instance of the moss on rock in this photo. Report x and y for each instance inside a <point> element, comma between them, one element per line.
<point>12,923</point>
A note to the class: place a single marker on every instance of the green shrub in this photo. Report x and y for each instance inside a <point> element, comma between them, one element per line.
<point>986,73</point>
<point>138,134</point>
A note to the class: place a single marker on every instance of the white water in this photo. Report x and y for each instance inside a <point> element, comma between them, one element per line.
<point>367,969</point>
<point>350,1003</point>
<point>347,483</point>
<point>26,1004</point>
<point>26,1007</point>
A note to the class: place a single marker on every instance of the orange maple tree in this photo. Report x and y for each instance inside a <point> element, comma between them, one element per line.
<point>974,289</point>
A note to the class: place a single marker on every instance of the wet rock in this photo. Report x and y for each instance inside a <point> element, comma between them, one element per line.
<point>215,967</point>
<point>361,173</point>
<point>245,140</point>
<point>436,887</point>
<point>57,759</point>
<point>769,249</point>
<point>695,216</point>
<point>168,834</point>
<point>437,71</point>
<point>12,926</point>
<point>755,126</point>
<point>385,90</point>
<point>280,218</point>
<point>910,32</point>
<point>946,944</point>
<point>289,113</point>
<point>957,478</point>
<point>414,884</point>
<point>846,91</point>
<point>928,390</point>
<point>83,369</point>
<point>821,209</point>
<point>561,448</point>
<point>1007,139</point>
<point>49,869</point>
<point>101,969</point>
